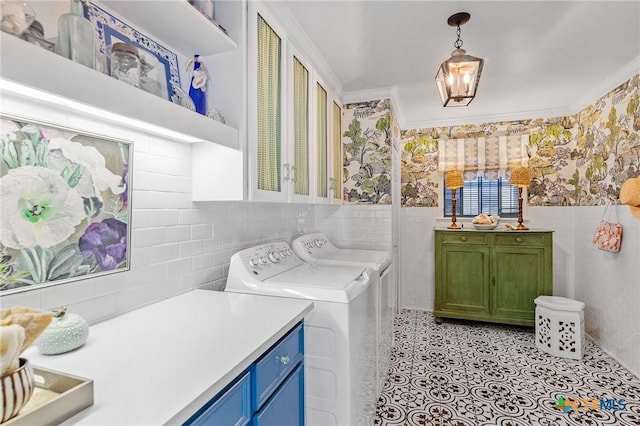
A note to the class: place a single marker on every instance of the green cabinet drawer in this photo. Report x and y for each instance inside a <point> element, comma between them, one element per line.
<point>520,239</point>
<point>462,237</point>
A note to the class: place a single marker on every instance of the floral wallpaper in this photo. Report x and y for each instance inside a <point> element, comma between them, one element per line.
<point>366,150</point>
<point>577,160</point>
<point>65,206</point>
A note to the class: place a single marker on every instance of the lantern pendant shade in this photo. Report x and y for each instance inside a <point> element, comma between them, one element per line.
<point>457,78</point>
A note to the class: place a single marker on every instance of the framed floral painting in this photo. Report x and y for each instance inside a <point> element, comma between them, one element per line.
<point>65,204</point>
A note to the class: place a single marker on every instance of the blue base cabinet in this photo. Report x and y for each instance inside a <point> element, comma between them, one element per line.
<point>268,393</point>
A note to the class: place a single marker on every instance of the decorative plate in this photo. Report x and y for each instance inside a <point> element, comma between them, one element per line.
<point>109,30</point>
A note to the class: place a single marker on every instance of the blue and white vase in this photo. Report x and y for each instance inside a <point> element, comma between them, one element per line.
<point>198,85</point>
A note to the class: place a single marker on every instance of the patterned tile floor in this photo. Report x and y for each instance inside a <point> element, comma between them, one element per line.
<point>464,373</point>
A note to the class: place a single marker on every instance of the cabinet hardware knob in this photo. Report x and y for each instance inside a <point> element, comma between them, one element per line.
<point>283,359</point>
<point>518,239</point>
<point>463,239</point>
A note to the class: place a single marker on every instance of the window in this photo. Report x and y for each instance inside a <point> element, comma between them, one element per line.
<point>483,196</point>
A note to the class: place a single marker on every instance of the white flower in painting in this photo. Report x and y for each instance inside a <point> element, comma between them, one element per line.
<point>8,129</point>
<point>94,167</point>
<point>38,208</point>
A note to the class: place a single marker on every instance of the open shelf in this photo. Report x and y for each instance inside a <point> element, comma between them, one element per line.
<point>32,66</point>
<point>191,32</point>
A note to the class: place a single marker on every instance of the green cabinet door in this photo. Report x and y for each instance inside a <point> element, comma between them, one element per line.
<point>466,272</point>
<point>518,280</point>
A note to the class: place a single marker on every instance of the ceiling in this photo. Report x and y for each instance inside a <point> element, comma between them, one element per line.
<point>542,58</point>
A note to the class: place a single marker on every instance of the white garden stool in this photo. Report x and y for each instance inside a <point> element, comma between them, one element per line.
<point>560,326</point>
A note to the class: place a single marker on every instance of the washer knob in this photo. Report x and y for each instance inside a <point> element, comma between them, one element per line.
<point>273,257</point>
<point>253,263</point>
<point>263,260</point>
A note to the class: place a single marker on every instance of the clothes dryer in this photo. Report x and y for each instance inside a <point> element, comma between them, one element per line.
<point>339,350</point>
<point>315,248</point>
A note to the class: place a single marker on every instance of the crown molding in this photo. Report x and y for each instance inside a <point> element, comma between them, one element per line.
<point>303,43</point>
<point>368,95</point>
<point>623,74</point>
<point>484,118</point>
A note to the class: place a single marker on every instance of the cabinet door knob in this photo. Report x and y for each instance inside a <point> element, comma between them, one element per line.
<point>463,239</point>
<point>518,239</point>
<point>283,359</point>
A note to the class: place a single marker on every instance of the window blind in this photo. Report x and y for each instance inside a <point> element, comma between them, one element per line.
<point>487,157</point>
<point>301,127</point>
<point>269,108</point>
<point>484,196</point>
<point>322,141</point>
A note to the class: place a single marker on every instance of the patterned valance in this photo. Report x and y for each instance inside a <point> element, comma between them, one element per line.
<point>488,156</point>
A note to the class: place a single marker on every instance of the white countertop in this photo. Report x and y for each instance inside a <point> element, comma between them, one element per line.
<point>160,363</point>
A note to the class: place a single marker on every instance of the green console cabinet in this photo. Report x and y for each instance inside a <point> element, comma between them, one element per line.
<point>492,276</point>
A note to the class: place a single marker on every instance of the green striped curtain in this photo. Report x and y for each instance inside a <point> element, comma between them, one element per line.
<point>301,127</point>
<point>322,141</point>
<point>337,151</point>
<point>269,106</point>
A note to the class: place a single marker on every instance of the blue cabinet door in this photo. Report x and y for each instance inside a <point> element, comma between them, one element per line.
<point>232,408</point>
<point>286,406</point>
<point>275,365</point>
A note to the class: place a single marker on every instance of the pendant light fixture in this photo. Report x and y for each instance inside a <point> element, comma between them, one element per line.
<point>457,78</point>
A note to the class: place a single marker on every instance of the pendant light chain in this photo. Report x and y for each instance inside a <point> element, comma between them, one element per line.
<point>458,43</point>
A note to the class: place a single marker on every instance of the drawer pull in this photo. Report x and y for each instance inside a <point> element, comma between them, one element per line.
<point>518,239</point>
<point>463,239</point>
<point>284,360</point>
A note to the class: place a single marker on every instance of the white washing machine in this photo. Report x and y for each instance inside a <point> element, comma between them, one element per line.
<point>339,350</point>
<point>315,248</point>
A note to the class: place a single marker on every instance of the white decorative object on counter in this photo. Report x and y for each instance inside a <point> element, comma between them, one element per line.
<point>66,332</point>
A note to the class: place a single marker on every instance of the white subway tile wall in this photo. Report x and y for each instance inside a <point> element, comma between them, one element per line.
<point>609,284</point>
<point>356,226</point>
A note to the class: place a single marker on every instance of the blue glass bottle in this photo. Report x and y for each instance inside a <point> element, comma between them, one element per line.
<point>198,85</point>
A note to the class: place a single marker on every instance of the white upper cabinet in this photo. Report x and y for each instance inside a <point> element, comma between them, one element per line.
<point>290,117</point>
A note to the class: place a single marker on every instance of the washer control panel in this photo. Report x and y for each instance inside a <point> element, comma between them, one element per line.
<point>312,244</point>
<point>268,260</point>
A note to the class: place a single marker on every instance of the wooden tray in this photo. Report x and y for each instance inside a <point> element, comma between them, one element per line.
<point>56,397</point>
